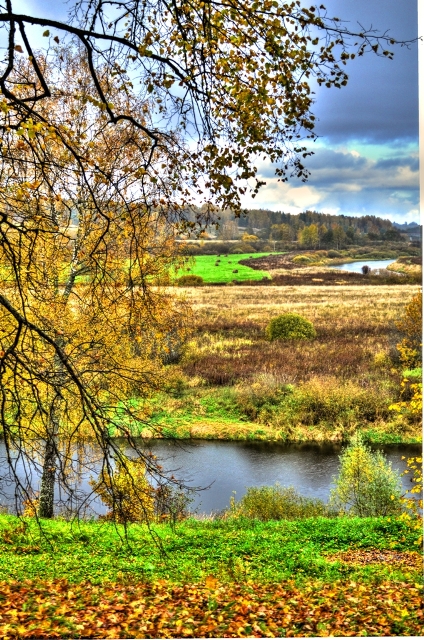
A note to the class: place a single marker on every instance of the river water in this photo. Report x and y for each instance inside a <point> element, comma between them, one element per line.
<point>356,267</point>
<point>225,467</point>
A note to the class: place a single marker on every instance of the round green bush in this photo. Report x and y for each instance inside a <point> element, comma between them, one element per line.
<point>290,326</point>
<point>190,281</point>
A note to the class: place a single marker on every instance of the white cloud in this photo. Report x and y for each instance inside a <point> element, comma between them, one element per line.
<point>350,182</point>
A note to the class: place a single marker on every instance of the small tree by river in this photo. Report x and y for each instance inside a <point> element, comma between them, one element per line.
<point>366,485</point>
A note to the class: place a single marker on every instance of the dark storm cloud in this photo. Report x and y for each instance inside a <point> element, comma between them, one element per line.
<point>380,102</point>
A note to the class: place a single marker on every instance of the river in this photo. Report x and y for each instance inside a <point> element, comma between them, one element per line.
<point>225,467</point>
<point>356,267</point>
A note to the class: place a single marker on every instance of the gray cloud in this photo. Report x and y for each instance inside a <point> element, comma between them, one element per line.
<point>335,160</point>
<point>333,170</point>
<point>399,161</point>
<point>380,102</point>
<point>379,107</point>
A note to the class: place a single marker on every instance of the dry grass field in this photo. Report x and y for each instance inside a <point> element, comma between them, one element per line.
<point>232,383</point>
<point>408,266</point>
<point>354,325</point>
<point>325,303</point>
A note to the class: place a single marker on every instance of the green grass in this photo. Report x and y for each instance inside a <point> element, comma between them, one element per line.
<point>228,413</point>
<point>232,549</point>
<point>192,406</point>
<point>173,417</point>
<point>413,373</point>
<point>204,266</point>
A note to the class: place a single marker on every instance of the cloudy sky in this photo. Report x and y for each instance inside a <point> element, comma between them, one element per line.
<point>366,156</point>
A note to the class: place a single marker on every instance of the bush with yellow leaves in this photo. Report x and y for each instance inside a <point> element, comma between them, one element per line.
<point>410,325</point>
<point>126,491</point>
<point>412,501</point>
<point>366,486</point>
<point>411,403</point>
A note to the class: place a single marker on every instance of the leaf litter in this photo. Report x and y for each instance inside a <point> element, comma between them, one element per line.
<point>162,609</point>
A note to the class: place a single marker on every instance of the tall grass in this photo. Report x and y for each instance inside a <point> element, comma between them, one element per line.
<point>276,503</point>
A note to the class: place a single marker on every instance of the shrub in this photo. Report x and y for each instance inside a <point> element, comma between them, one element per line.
<point>409,350</point>
<point>382,360</point>
<point>249,237</point>
<point>242,247</point>
<point>410,326</point>
<point>189,281</point>
<point>276,503</point>
<point>301,259</point>
<point>334,254</point>
<point>412,502</point>
<point>261,396</point>
<point>366,486</point>
<point>290,326</point>
<point>193,249</point>
<point>172,503</point>
<point>126,492</point>
<point>328,400</point>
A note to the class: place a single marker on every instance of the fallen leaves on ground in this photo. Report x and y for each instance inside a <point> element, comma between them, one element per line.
<point>410,559</point>
<point>58,609</point>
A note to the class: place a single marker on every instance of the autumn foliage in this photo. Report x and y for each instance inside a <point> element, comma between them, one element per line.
<point>127,493</point>
<point>410,325</point>
<point>410,354</point>
<point>161,609</point>
<point>413,499</point>
<point>86,321</point>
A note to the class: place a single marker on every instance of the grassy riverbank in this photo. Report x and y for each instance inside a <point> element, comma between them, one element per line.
<point>230,549</point>
<point>233,384</point>
<point>235,577</point>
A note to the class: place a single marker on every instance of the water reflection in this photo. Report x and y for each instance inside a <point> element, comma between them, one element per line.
<point>356,267</point>
<point>224,466</point>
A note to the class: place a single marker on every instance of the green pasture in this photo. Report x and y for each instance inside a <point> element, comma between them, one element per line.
<point>221,268</point>
<point>210,268</point>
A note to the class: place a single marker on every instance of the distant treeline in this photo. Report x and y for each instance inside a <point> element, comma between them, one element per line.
<point>310,228</point>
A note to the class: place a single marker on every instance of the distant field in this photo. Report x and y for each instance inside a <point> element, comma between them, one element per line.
<point>222,269</point>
